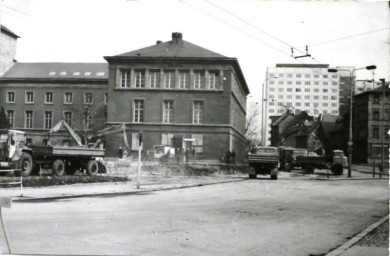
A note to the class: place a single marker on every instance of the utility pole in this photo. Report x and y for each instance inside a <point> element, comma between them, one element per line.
<point>383,125</point>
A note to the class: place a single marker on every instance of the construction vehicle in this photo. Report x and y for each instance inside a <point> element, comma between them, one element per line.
<point>263,160</point>
<point>18,156</point>
<point>287,157</point>
<point>336,162</point>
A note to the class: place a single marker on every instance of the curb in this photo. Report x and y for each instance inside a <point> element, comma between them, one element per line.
<point>344,247</point>
<point>23,199</point>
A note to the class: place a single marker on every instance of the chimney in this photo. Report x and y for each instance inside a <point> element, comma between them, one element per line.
<point>159,42</point>
<point>177,37</point>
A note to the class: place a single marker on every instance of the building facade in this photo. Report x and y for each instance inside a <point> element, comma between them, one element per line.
<point>371,123</point>
<point>179,94</point>
<point>36,96</point>
<point>8,41</point>
<point>306,87</point>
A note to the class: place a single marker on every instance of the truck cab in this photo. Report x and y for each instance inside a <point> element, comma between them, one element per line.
<point>339,158</point>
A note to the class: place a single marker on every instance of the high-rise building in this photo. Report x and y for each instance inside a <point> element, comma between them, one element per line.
<point>305,87</point>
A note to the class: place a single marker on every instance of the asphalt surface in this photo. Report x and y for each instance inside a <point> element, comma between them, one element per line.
<point>295,215</point>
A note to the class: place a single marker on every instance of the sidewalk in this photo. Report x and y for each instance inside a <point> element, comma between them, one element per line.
<point>147,184</point>
<point>373,241</point>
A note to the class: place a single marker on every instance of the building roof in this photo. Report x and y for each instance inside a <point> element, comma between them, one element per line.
<point>179,51</point>
<point>177,47</point>
<point>378,90</point>
<point>291,65</point>
<point>53,70</point>
<point>4,29</point>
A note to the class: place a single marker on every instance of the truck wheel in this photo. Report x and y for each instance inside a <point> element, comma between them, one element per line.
<point>58,167</point>
<point>287,167</point>
<point>274,177</point>
<point>337,170</point>
<point>309,169</point>
<point>26,164</point>
<point>92,167</point>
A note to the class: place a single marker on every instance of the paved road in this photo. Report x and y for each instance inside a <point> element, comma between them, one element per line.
<point>293,216</point>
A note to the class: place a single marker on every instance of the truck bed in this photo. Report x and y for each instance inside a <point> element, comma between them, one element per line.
<point>66,151</point>
<point>311,159</point>
<point>255,158</point>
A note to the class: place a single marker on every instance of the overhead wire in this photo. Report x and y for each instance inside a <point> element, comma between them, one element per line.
<point>253,37</point>
<point>346,37</point>
<point>16,10</point>
<point>253,26</point>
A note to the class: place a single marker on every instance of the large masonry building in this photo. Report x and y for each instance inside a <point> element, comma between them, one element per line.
<point>177,91</point>
<point>174,93</point>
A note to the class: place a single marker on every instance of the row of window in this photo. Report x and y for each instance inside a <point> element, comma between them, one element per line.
<point>77,73</point>
<point>304,90</point>
<point>376,132</point>
<point>138,115</point>
<point>167,139</point>
<point>47,119</point>
<point>315,111</point>
<point>168,116</point>
<point>166,79</point>
<point>49,99</point>
<point>301,83</point>
<point>298,97</point>
<point>272,75</point>
<point>306,104</point>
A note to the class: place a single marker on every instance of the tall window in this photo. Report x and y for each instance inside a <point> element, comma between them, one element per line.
<point>167,139</point>
<point>154,79</point>
<point>213,80</point>
<point>10,97</point>
<point>48,97</point>
<point>125,78</point>
<point>375,132</point>
<point>198,143</point>
<point>11,117</point>
<point>139,79</point>
<point>88,98</point>
<point>197,112</point>
<point>198,80</point>
<point>48,119</point>
<point>184,80</point>
<point>169,79</point>
<point>168,112</point>
<point>68,98</point>
<point>138,113</point>
<point>105,98</point>
<point>68,117</point>
<point>29,97</point>
<point>28,119</point>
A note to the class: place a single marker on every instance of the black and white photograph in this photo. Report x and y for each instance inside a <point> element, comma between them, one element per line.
<point>194,127</point>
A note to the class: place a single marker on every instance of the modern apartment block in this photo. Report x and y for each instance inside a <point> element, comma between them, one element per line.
<point>177,91</point>
<point>8,41</point>
<point>305,87</point>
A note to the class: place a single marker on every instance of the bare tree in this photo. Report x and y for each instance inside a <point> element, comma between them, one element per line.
<point>252,125</point>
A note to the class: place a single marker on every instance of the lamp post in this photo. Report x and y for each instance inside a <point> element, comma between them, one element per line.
<point>264,110</point>
<point>350,142</point>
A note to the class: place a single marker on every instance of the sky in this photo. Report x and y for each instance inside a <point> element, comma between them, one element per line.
<point>259,34</point>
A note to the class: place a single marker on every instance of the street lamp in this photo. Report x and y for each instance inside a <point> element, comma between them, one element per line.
<point>350,142</point>
<point>264,110</point>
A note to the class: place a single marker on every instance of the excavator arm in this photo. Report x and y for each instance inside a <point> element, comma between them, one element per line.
<point>72,133</point>
<point>111,130</point>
